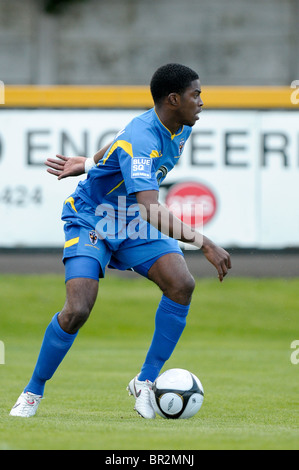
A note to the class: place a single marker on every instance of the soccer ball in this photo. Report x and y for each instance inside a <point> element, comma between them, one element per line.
<point>177,394</point>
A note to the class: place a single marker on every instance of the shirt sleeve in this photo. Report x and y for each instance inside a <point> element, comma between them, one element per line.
<point>136,160</point>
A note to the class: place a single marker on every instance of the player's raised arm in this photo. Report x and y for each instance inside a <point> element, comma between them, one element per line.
<point>166,222</point>
<point>63,167</point>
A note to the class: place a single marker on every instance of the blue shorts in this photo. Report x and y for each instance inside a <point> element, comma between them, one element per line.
<point>82,242</point>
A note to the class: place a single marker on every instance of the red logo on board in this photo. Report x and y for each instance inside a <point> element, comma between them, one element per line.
<point>188,200</point>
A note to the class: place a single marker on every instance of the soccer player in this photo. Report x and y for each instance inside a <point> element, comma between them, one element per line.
<point>114,219</point>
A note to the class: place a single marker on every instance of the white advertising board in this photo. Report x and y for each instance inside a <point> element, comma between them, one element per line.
<point>242,165</point>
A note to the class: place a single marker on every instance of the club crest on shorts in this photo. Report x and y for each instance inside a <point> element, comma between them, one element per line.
<point>93,237</point>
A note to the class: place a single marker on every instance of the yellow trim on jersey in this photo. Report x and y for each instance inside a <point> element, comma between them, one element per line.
<point>71,242</point>
<point>117,186</point>
<point>72,203</point>
<point>126,146</point>
<point>155,154</point>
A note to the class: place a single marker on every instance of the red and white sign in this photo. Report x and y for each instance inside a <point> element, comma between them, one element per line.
<point>192,202</point>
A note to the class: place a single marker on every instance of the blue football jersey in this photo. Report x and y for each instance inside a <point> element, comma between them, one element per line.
<point>139,159</point>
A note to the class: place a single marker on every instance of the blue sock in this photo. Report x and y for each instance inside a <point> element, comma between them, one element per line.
<point>170,323</point>
<point>55,345</point>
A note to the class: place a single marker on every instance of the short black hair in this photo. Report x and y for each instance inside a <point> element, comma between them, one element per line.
<point>171,78</point>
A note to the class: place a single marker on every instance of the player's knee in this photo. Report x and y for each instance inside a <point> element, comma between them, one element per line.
<point>72,319</point>
<point>188,285</point>
<point>182,288</point>
<point>80,317</point>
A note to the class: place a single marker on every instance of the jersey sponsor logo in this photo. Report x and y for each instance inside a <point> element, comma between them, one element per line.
<point>141,167</point>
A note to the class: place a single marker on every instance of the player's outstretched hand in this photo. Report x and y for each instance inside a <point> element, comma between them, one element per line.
<point>218,257</point>
<point>66,166</point>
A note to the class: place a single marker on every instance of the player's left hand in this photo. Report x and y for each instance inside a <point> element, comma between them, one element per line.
<point>64,167</point>
<point>219,257</point>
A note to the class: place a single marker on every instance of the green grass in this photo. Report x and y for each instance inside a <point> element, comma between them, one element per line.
<point>237,341</point>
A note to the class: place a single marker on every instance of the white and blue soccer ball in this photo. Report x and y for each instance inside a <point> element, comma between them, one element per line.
<point>177,394</point>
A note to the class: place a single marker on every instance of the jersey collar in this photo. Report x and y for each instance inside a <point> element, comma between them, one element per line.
<point>166,129</point>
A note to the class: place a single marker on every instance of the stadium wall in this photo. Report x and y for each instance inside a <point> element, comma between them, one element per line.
<point>241,162</point>
<point>231,42</point>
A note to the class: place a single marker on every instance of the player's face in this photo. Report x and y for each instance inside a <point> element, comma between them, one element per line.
<point>191,104</point>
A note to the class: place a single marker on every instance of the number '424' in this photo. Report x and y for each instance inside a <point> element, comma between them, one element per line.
<point>20,195</point>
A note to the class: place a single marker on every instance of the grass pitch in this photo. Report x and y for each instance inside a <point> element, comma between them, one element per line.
<point>237,342</point>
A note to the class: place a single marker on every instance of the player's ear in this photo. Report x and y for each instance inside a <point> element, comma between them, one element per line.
<point>174,99</point>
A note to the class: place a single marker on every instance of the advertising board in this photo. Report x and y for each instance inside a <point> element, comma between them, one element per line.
<point>241,165</point>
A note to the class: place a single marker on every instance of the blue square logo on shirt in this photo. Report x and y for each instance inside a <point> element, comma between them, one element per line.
<point>141,167</point>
